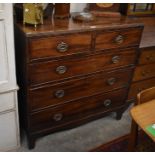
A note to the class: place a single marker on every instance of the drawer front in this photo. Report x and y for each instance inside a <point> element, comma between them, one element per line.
<point>144,72</point>
<point>116,39</point>
<point>59,70</point>
<point>75,89</point>
<point>59,45</point>
<point>139,86</point>
<point>78,109</point>
<point>147,56</point>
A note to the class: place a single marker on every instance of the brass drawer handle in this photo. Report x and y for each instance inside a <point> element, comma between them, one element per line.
<point>57,117</point>
<point>115,59</point>
<point>111,81</point>
<point>59,93</point>
<point>119,39</point>
<point>107,102</point>
<point>62,47</point>
<point>145,73</point>
<point>140,89</point>
<point>149,57</point>
<point>61,69</point>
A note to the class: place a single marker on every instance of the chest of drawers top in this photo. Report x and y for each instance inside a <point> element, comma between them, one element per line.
<point>58,38</point>
<point>59,26</point>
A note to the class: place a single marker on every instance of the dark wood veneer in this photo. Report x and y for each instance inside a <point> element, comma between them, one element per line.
<point>45,96</point>
<point>147,56</point>
<point>70,73</point>
<point>76,110</point>
<point>139,86</point>
<point>144,72</point>
<point>46,71</point>
<point>144,76</point>
<point>47,46</point>
<point>106,40</point>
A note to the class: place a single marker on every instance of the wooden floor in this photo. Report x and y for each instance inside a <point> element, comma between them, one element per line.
<point>144,115</point>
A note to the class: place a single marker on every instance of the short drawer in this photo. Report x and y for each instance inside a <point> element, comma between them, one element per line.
<point>79,109</point>
<point>147,56</point>
<point>144,72</point>
<point>75,89</point>
<point>7,101</point>
<point>139,86</point>
<point>61,45</point>
<point>116,39</point>
<point>63,69</point>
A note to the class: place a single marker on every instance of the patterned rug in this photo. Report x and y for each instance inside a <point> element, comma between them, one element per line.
<point>120,145</point>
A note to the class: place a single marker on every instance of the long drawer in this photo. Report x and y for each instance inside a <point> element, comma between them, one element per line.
<point>144,72</point>
<point>139,86</point>
<point>63,69</point>
<point>117,39</point>
<point>75,89</point>
<point>147,56</point>
<point>59,45</point>
<point>70,112</point>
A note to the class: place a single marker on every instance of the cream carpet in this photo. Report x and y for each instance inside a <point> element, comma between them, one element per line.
<point>82,138</point>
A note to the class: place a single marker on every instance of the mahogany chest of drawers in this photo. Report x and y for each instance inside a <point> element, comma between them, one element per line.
<point>71,73</point>
<point>144,74</point>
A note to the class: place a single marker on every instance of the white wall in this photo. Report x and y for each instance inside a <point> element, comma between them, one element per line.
<point>77,7</point>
